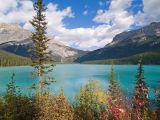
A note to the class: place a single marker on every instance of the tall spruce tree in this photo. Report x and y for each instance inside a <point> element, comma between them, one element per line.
<point>39,53</point>
<point>140,99</point>
<point>114,86</point>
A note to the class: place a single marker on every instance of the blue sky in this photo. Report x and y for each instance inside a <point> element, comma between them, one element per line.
<point>84,24</point>
<point>91,6</point>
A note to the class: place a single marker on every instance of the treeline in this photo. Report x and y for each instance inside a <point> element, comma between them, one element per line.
<point>92,103</point>
<point>148,58</point>
<point>8,59</point>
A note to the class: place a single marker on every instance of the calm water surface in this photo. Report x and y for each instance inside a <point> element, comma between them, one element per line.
<point>72,76</point>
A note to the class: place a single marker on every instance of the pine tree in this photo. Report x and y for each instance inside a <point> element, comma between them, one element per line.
<point>63,109</point>
<point>114,101</point>
<point>114,87</point>
<point>10,100</point>
<point>39,54</point>
<point>119,93</point>
<point>15,106</point>
<point>112,82</point>
<point>140,99</point>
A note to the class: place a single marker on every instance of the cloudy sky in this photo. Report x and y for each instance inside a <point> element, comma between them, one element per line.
<point>84,24</point>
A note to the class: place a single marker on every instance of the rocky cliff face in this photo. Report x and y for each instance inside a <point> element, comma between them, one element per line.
<point>12,32</point>
<point>126,44</point>
<point>16,40</point>
<point>131,36</point>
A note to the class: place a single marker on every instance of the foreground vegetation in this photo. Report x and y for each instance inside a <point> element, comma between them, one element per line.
<point>92,103</point>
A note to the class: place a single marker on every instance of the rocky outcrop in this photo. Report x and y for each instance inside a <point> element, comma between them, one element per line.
<point>16,40</point>
<point>127,44</point>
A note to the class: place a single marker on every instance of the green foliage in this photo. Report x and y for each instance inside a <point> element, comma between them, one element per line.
<point>148,58</point>
<point>114,109</point>
<point>87,106</point>
<point>140,99</point>
<point>114,89</point>
<point>14,105</point>
<point>39,54</point>
<point>10,100</point>
<point>9,59</point>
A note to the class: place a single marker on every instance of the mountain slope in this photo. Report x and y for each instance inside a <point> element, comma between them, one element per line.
<point>148,58</point>
<point>9,59</point>
<point>128,44</point>
<point>16,40</point>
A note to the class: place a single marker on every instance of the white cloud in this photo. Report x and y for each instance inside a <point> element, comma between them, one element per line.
<point>151,12</point>
<point>108,3</point>
<point>13,11</point>
<point>117,18</point>
<point>55,18</point>
<point>112,21</point>
<point>7,5</point>
<point>96,37</point>
<point>82,38</point>
<point>85,12</point>
<point>101,3</point>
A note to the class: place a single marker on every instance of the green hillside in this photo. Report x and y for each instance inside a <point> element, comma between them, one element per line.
<point>9,59</point>
<point>148,58</point>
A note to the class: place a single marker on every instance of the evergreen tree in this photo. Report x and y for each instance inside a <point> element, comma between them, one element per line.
<point>16,106</point>
<point>114,101</point>
<point>49,107</point>
<point>10,100</point>
<point>39,53</point>
<point>114,86</point>
<point>43,105</point>
<point>88,106</point>
<point>63,109</point>
<point>140,99</point>
<point>119,93</point>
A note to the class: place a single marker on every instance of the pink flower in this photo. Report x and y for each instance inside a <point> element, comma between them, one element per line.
<point>121,110</point>
<point>155,90</point>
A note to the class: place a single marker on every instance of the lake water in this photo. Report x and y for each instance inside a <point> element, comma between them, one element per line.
<point>72,76</point>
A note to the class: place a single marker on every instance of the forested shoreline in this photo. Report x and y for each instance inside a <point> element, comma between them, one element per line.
<point>8,59</point>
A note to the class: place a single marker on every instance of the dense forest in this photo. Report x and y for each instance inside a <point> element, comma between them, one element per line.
<point>148,58</point>
<point>9,59</point>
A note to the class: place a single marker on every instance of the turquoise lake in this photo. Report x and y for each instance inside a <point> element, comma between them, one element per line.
<point>72,76</point>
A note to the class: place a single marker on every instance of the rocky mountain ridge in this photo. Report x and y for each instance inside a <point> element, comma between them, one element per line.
<point>127,44</point>
<point>16,40</point>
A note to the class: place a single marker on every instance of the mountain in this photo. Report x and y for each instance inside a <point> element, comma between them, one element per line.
<point>16,40</point>
<point>9,59</point>
<point>148,58</point>
<point>127,45</point>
